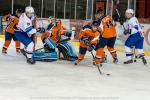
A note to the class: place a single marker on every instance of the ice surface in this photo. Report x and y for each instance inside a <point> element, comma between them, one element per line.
<point>62,80</point>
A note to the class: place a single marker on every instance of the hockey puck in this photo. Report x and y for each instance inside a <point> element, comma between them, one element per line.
<point>75,63</point>
<point>108,74</point>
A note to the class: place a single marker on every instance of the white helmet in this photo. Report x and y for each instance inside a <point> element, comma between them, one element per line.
<point>130,11</point>
<point>29,9</point>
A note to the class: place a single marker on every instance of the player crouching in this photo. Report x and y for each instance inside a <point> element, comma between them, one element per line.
<point>57,37</point>
<point>26,34</point>
<point>135,38</point>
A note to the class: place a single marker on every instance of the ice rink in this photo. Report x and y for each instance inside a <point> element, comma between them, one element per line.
<point>62,80</point>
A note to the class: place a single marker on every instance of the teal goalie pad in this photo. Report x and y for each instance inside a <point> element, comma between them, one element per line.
<point>45,56</point>
<point>68,51</point>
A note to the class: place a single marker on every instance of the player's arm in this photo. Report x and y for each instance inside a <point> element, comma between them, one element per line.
<point>80,35</point>
<point>127,29</point>
<point>95,40</point>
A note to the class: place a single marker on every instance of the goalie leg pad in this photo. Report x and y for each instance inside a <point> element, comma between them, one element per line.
<point>67,51</point>
<point>50,43</point>
<point>44,56</point>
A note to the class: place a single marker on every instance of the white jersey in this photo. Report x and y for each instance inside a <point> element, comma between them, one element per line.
<point>25,25</point>
<point>133,24</point>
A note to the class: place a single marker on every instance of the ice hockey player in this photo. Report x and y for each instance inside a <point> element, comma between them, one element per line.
<point>135,38</point>
<point>107,38</point>
<point>26,33</point>
<point>86,37</point>
<point>52,35</point>
<point>51,39</point>
<point>9,31</point>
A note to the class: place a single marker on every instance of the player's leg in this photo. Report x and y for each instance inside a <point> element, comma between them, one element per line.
<point>17,43</point>
<point>99,58</point>
<point>67,50</point>
<point>7,42</point>
<point>81,54</point>
<point>49,45</point>
<point>45,39</point>
<point>28,42</point>
<point>100,54</point>
<point>130,42</point>
<point>104,56</point>
<point>110,47</point>
<point>139,47</point>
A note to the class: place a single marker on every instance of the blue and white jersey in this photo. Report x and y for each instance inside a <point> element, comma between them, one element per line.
<point>25,25</point>
<point>133,25</point>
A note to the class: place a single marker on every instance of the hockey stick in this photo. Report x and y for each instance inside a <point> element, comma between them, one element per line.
<point>98,67</point>
<point>134,55</point>
<point>119,17</point>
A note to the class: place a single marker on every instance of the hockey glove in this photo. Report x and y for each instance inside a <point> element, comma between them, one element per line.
<point>68,34</point>
<point>91,47</point>
<point>86,41</point>
<point>41,30</point>
<point>127,32</point>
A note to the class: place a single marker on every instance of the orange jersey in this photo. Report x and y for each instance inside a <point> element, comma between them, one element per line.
<point>12,22</point>
<point>87,33</point>
<point>107,27</point>
<point>57,32</point>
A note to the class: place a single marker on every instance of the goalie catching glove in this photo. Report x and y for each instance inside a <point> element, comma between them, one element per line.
<point>68,34</point>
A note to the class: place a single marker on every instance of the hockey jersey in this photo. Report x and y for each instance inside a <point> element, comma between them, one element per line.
<point>25,24</point>
<point>12,22</point>
<point>87,33</point>
<point>107,27</point>
<point>133,25</point>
